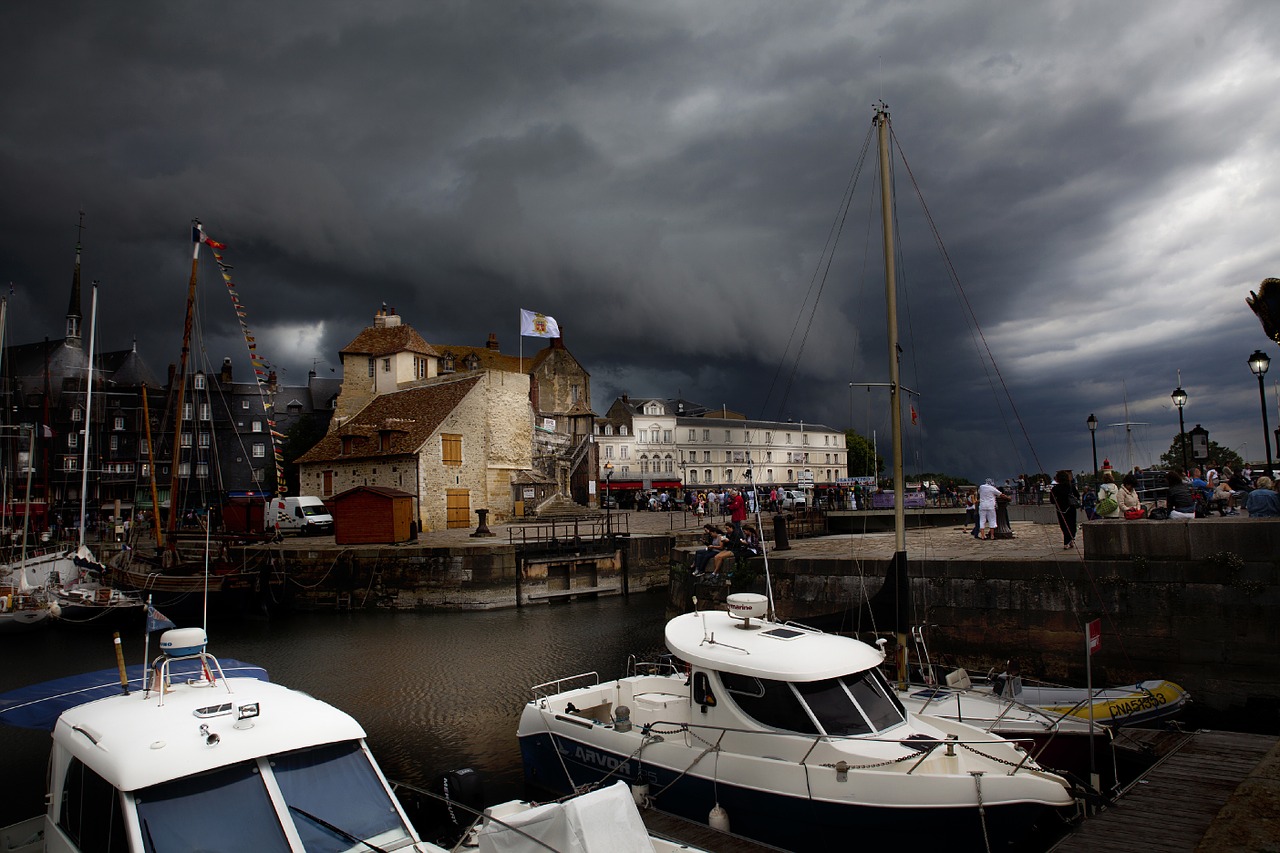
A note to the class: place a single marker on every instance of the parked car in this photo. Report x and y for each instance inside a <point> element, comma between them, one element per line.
<point>792,499</point>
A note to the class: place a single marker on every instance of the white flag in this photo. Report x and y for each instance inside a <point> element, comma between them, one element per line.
<point>535,325</point>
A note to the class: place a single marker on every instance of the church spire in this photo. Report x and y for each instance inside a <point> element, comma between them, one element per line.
<point>73,306</point>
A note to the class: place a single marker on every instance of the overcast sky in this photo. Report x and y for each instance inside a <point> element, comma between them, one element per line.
<point>662,178</point>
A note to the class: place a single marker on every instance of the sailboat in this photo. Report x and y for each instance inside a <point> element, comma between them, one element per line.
<point>786,734</point>
<point>23,604</point>
<point>80,590</point>
<point>176,564</point>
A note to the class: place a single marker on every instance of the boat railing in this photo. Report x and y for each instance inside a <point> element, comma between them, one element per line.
<point>918,748</point>
<point>540,691</point>
<point>659,667</point>
<point>208,663</point>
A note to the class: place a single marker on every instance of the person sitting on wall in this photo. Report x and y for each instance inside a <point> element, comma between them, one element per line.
<point>1181,502</point>
<point>715,544</point>
<point>1263,502</point>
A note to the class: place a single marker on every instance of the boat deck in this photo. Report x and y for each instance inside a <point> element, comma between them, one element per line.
<point>1173,805</point>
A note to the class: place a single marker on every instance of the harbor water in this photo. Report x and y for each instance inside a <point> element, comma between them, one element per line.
<point>434,691</point>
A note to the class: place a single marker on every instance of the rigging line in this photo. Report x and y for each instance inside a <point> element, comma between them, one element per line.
<point>994,366</point>
<point>968,307</point>
<point>828,252</point>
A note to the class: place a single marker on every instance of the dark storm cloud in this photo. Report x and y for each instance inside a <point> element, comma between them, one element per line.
<point>662,178</point>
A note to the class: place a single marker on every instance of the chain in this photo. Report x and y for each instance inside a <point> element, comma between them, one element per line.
<point>1014,765</point>
<point>982,811</point>
<point>899,760</point>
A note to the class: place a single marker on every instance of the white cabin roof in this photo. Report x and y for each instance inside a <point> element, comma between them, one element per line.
<point>134,742</point>
<point>712,639</point>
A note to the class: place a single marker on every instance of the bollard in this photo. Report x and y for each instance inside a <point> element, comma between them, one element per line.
<point>780,542</point>
<point>482,529</point>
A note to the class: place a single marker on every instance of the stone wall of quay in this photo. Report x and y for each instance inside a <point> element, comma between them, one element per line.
<point>410,577</point>
<point>1197,604</point>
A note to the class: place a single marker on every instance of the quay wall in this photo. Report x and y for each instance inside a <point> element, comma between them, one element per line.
<point>410,577</point>
<point>1197,604</point>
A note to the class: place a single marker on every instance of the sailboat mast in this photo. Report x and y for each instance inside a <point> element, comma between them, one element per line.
<point>182,380</point>
<point>898,570</point>
<point>151,468</point>
<point>88,407</point>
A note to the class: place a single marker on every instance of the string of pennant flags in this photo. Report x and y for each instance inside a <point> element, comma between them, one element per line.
<point>261,369</point>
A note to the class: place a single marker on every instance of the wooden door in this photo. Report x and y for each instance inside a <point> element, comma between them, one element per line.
<point>457,508</point>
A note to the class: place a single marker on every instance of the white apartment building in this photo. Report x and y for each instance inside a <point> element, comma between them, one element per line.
<point>663,443</point>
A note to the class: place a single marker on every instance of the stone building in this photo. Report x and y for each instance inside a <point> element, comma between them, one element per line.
<point>671,443</point>
<point>455,442</point>
<point>554,437</point>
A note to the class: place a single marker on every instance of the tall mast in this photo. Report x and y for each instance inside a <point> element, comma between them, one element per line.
<point>151,468</point>
<point>898,569</point>
<point>196,238</point>
<point>88,408</point>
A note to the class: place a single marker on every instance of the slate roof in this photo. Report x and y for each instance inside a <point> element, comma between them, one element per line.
<point>409,417</point>
<point>387,340</point>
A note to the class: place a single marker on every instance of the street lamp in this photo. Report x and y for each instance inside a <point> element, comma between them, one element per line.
<point>608,502</point>
<point>1258,363</point>
<point>1093,441</point>
<point>1180,400</point>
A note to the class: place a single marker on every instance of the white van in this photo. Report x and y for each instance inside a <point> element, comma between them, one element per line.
<point>304,514</point>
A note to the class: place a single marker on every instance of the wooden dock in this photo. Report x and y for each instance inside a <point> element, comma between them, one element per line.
<point>1171,807</point>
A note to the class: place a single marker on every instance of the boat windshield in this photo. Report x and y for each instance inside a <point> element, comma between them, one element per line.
<point>337,785</point>
<point>226,809</point>
<point>855,704</point>
<point>335,795</point>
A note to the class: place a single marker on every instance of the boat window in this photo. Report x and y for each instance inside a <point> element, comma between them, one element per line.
<point>337,784</point>
<point>90,813</point>
<point>770,703</point>
<point>852,705</point>
<point>229,804</point>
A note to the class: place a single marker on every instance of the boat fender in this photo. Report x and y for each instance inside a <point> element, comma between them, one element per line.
<point>622,719</point>
<point>718,819</point>
<point>465,787</point>
<point>640,793</point>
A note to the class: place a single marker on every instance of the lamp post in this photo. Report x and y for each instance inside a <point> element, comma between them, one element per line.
<point>1180,399</point>
<point>608,501</point>
<point>1258,363</point>
<point>1093,441</point>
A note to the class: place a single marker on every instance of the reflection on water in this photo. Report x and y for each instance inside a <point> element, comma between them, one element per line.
<point>434,691</point>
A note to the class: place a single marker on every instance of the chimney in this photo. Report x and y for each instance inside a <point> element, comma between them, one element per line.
<point>225,375</point>
<point>271,381</point>
<point>380,318</point>
<point>492,343</point>
<point>173,368</point>
<point>392,319</point>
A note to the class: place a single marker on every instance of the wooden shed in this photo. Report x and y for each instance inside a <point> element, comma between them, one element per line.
<point>372,515</point>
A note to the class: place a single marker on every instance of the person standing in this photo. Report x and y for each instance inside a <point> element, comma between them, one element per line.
<point>1066,500</point>
<point>987,493</point>
<point>737,511</point>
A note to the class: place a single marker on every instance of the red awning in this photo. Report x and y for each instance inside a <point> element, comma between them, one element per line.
<point>623,485</point>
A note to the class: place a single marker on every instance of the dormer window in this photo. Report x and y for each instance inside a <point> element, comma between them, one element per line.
<point>348,442</point>
<point>446,363</point>
<point>77,415</point>
<point>622,430</point>
<point>471,362</point>
<point>384,440</point>
<point>197,381</point>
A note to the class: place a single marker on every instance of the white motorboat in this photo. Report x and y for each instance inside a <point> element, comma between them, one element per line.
<point>215,760</point>
<point>223,759</point>
<point>789,735</point>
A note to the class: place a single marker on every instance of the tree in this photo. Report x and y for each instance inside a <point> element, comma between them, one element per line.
<point>1218,455</point>
<point>860,455</point>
